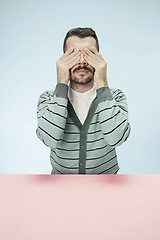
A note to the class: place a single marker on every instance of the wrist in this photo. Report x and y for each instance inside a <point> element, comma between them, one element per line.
<point>102,84</point>
<point>62,82</point>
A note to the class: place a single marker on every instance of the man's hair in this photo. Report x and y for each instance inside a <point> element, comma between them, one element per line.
<point>81,33</point>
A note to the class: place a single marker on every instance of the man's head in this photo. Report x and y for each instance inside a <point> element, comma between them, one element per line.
<point>81,38</point>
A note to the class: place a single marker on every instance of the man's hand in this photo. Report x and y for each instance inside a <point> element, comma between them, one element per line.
<point>92,56</point>
<point>67,61</point>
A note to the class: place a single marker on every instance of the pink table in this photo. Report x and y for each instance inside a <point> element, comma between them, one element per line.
<point>73,207</point>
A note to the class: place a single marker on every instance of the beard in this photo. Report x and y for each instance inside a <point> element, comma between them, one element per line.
<point>81,78</point>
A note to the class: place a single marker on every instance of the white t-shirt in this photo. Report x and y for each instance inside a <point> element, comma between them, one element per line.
<point>81,101</point>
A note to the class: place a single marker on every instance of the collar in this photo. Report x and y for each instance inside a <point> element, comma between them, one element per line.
<point>90,94</point>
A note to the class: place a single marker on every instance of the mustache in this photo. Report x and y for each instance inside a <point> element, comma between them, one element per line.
<point>82,68</point>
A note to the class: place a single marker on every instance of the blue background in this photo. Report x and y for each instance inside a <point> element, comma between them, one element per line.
<point>31,41</point>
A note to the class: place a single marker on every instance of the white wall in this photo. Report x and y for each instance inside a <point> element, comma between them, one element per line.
<point>32,34</point>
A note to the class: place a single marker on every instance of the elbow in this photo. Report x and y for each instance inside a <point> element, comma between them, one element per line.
<point>120,137</point>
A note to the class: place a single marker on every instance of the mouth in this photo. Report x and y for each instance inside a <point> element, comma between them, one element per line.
<point>82,71</point>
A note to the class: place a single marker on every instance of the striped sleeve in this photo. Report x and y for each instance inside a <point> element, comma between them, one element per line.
<point>52,114</point>
<point>113,116</point>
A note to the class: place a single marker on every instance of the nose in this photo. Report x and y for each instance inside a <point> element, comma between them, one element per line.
<point>82,60</point>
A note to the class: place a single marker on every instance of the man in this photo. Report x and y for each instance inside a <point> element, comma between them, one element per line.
<point>82,120</point>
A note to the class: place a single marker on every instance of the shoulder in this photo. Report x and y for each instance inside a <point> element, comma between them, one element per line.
<point>47,94</point>
<point>117,94</point>
<point>116,91</point>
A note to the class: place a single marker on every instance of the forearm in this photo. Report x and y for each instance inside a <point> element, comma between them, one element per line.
<point>113,116</point>
<point>51,115</point>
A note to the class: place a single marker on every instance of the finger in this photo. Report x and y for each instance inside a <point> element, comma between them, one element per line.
<point>94,61</point>
<point>91,61</point>
<point>73,54</point>
<point>92,55</point>
<point>66,53</point>
<point>71,62</point>
<point>70,52</point>
<point>93,50</point>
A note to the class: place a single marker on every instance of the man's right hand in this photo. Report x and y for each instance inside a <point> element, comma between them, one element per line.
<point>67,61</point>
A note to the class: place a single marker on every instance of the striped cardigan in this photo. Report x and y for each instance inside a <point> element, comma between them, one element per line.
<point>88,148</point>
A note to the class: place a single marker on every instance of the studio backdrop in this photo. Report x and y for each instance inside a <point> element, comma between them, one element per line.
<point>31,42</point>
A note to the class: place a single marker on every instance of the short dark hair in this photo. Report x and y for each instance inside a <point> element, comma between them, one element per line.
<point>82,33</point>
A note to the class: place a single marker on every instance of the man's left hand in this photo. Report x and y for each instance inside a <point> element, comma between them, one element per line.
<point>92,56</point>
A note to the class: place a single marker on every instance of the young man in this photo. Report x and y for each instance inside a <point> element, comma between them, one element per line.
<point>82,120</point>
